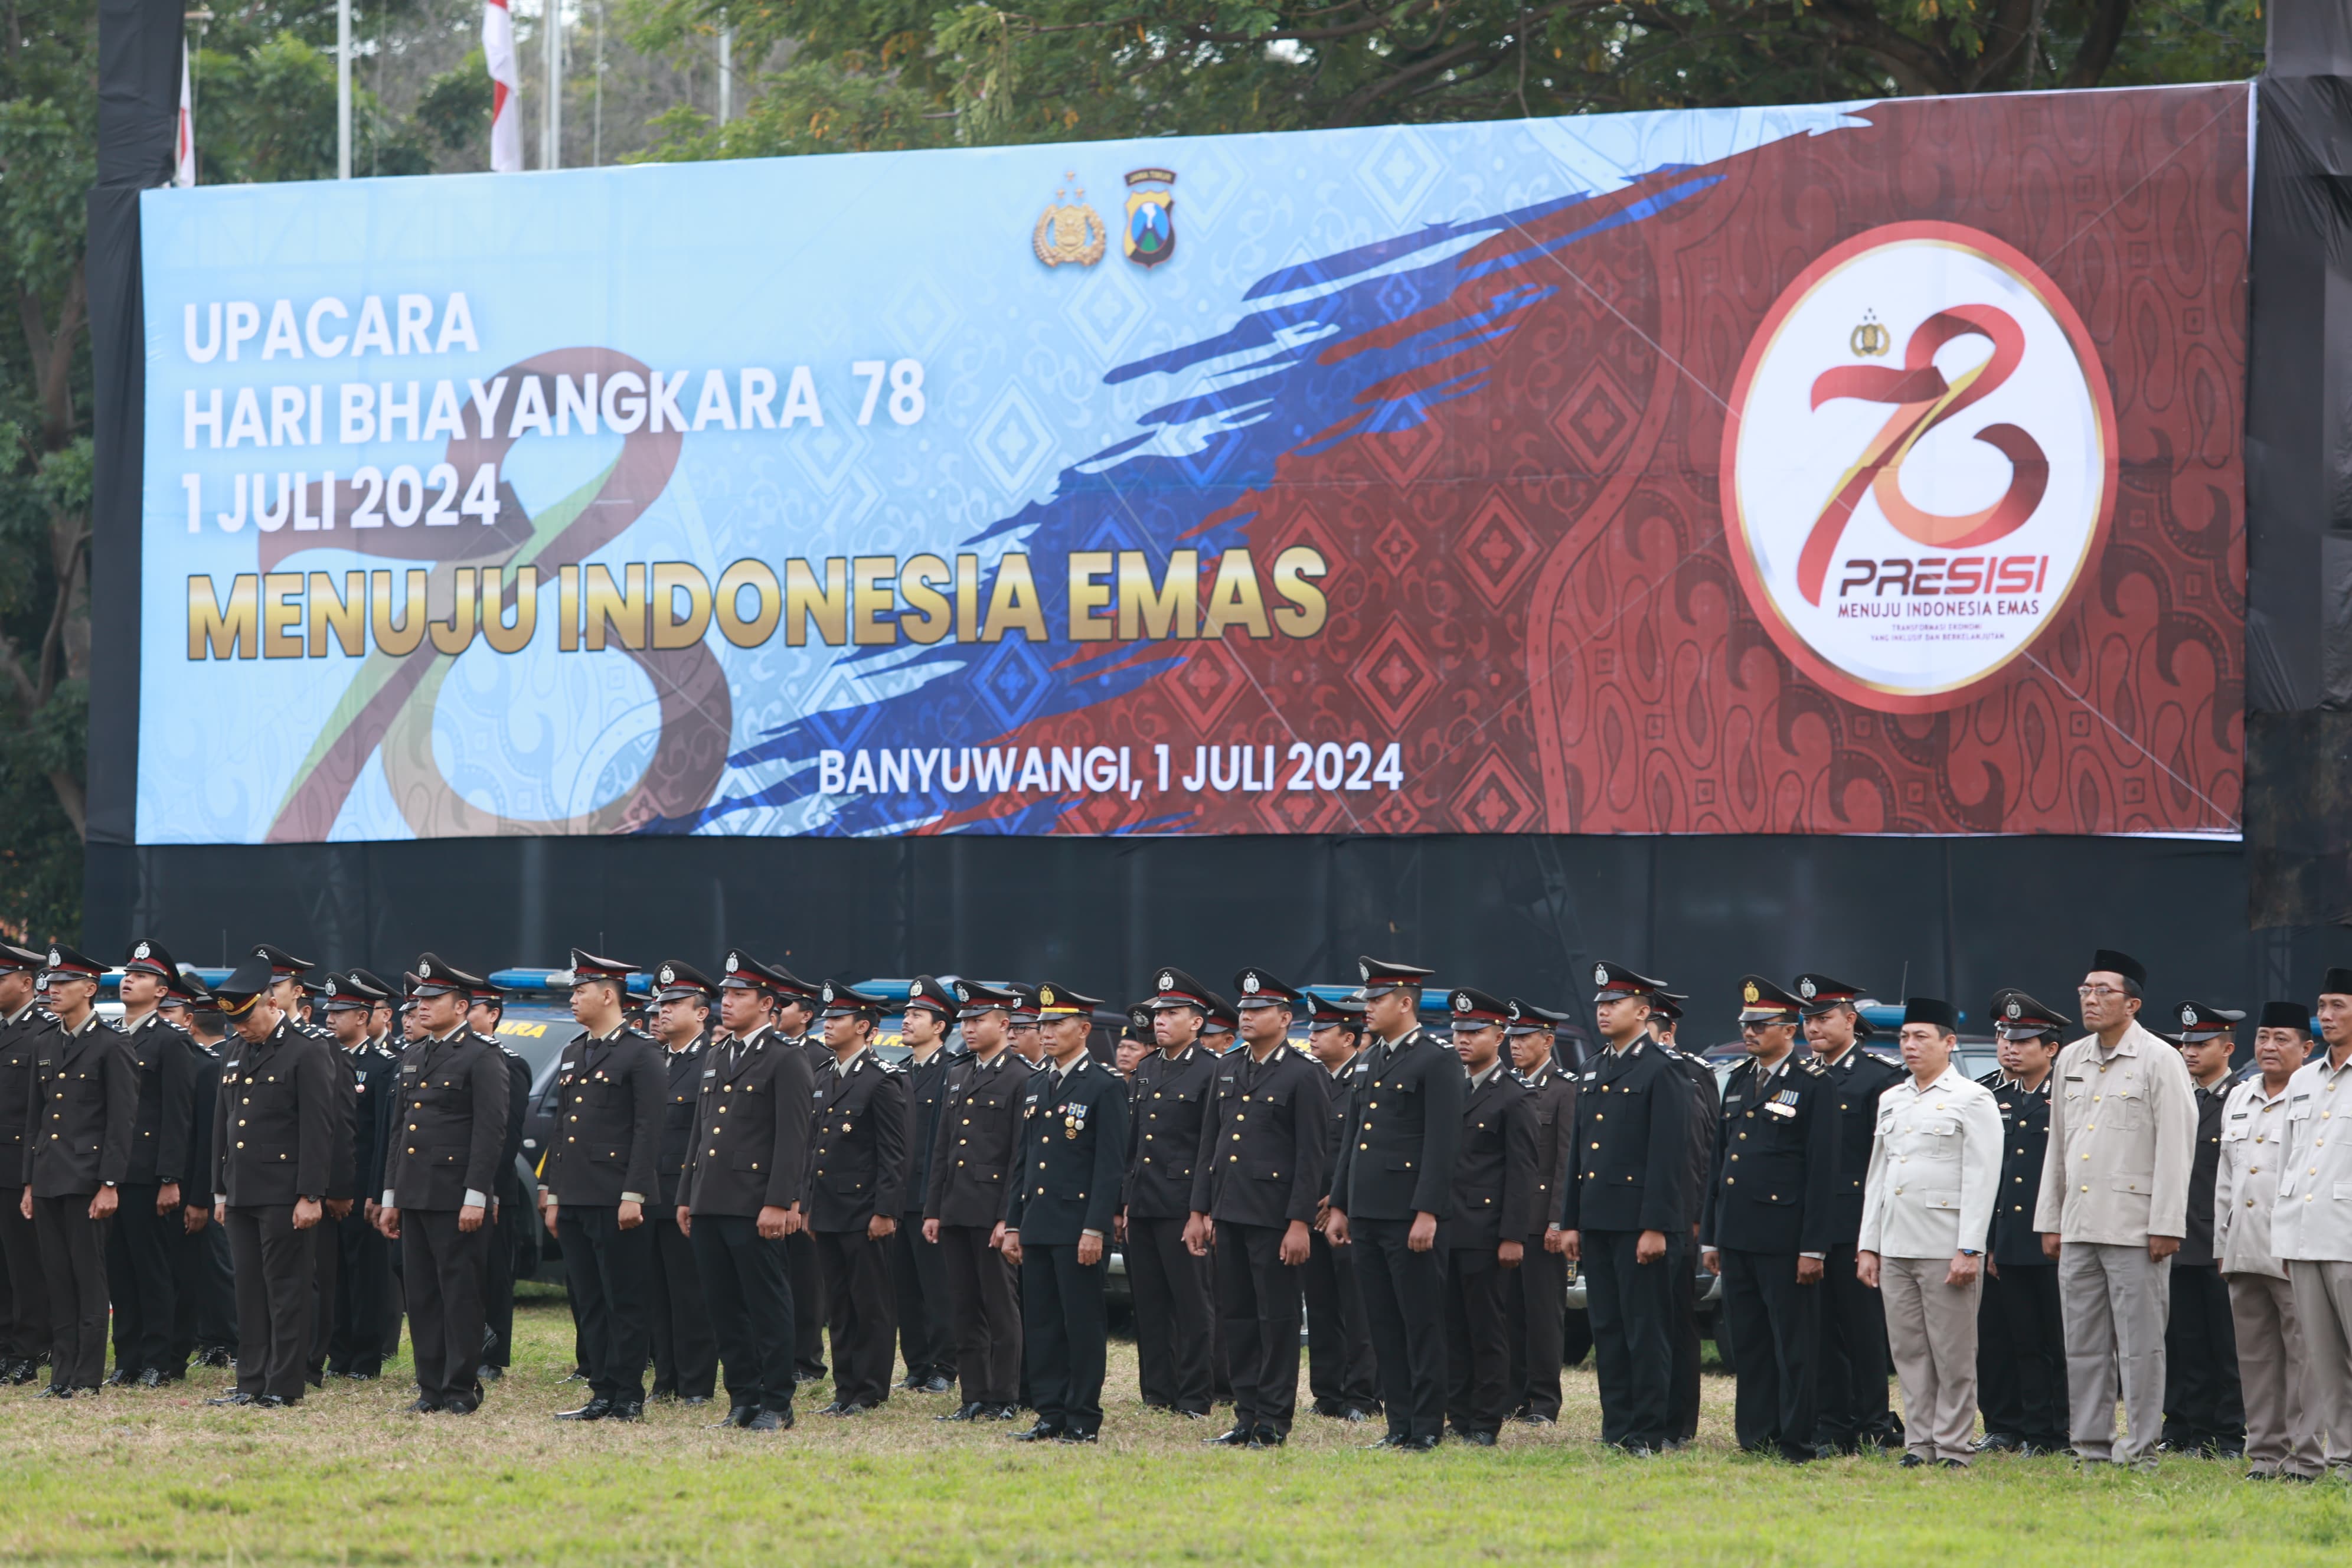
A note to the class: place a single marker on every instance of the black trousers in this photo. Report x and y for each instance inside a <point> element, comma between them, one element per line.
<point>276,1297</point>
<point>685,1351</point>
<point>1854,1359</point>
<point>863,1313</point>
<point>216,1288</point>
<point>1066,1329</point>
<point>609,1272</point>
<point>1340,1371</point>
<point>749,1287</point>
<point>188,1253</point>
<point>1173,1327</point>
<point>1682,1330</point>
<point>73,1265</point>
<point>1478,1338</point>
<point>925,1338</point>
<point>1405,1296</point>
<point>984,1299</point>
<point>25,1328</point>
<point>141,1283</point>
<point>2023,1301</point>
<point>363,1297</point>
<point>2000,1398</point>
<point>1776,1338</point>
<point>499,1239</point>
<point>1537,1300</point>
<point>1258,1299</point>
<point>1631,1307</point>
<point>2201,1400</point>
<point>327,1274</point>
<point>808,1293</point>
<point>443,1269</point>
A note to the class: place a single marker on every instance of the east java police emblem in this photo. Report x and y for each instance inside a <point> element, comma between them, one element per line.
<point>1069,231</point>
<point>1150,237</point>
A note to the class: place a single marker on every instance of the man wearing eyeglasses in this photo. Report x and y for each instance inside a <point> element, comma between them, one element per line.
<point>2114,1207</point>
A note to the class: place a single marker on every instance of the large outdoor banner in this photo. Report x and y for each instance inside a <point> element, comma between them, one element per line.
<point>1865,469</point>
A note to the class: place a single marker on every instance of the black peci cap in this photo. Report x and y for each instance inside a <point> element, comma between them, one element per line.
<point>2107,960</point>
<point>2284,1016</point>
<point>1932,1010</point>
<point>2336,981</point>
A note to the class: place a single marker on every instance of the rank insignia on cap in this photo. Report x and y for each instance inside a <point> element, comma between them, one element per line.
<point>1249,984</point>
<point>1805,988</point>
<point>1751,993</point>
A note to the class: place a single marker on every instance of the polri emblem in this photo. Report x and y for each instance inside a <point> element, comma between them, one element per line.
<point>1069,231</point>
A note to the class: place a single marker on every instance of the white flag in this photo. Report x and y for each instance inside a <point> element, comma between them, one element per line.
<point>506,85</point>
<point>183,165</point>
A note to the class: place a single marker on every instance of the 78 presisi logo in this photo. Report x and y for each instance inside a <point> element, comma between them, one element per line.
<point>1912,500</point>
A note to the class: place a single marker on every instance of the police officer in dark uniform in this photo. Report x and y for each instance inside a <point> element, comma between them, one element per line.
<point>685,1353</point>
<point>142,1241</point>
<point>76,1155</point>
<point>273,1126</point>
<point>925,1334</point>
<point>857,1191</point>
<point>1495,1196</point>
<point>362,1281</point>
<point>25,1332</point>
<point>511,1203</point>
<point>1258,1178</point>
<point>2020,1335</point>
<point>441,1169</point>
<point>1852,1375</point>
<point>1536,1296</point>
<point>1065,1193</point>
<point>795,1006</point>
<point>1683,1330</point>
<point>1392,1183</point>
<point>972,1172</point>
<point>1341,1372</point>
<point>599,1179</point>
<point>740,1194</point>
<point>1763,1229</point>
<point>2203,1410</point>
<point>208,1279</point>
<point>1624,1214</point>
<point>293,995</point>
<point>1170,1092</point>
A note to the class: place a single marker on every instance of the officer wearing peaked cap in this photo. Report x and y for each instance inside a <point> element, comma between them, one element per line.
<point>1172,1091</point>
<point>972,1172</point>
<point>925,1337</point>
<point>1683,1330</point>
<point>78,1127</point>
<point>1341,1370</point>
<point>25,1332</point>
<point>1258,1179</point>
<point>741,1192</point>
<point>1854,1408</point>
<point>599,1177</point>
<point>273,1126</point>
<point>293,997</point>
<point>1391,1185</point>
<point>685,1352</point>
<point>1494,1208</point>
<point>354,1347</point>
<point>2020,1339</point>
<point>1765,1229</point>
<point>856,1185</point>
<point>796,1007</point>
<point>2203,1409</point>
<point>449,1132</point>
<point>1540,1282</point>
<point>143,1240</point>
<point>1066,1190</point>
<point>1625,1213</point>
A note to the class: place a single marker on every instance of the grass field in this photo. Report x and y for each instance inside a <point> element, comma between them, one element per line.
<point>157,1477</point>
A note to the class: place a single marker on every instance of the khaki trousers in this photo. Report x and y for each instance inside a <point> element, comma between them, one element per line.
<point>2271,1377</point>
<point>2114,1298</point>
<point>1931,1329</point>
<point>2323,1303</point>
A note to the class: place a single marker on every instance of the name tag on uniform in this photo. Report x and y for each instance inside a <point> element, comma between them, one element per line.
<point>226,1067</point>
<point>710,1072</point>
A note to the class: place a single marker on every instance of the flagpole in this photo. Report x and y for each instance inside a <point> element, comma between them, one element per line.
<point>552,150</point>
<point>342,90</point>
<point>725,73</point>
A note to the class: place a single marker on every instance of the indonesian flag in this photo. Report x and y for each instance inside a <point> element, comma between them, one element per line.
<point>506,84</point>
<point>183,163</point>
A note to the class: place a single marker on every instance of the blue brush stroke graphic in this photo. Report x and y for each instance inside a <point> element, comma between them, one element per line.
<point>1290,400</point>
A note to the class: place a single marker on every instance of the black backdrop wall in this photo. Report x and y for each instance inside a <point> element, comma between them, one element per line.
<point>1952,917</point>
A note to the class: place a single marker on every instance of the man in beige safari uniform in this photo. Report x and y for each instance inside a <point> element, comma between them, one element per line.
<point>2114,1207</point>
<point>2311,1225</point>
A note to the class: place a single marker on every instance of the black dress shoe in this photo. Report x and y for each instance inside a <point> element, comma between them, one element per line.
<point>912,1380</point>
<point>55,1391</point>
<point>463,1404</point>
<point>1239,1438</point>
<point>2000,1443</point>
<point>625,1410</point>
<point>1266,1437</point>
<point>936,1383</point>
<point>1914,1462</point>
<point>1477,1439</point>
<point>596,1409</point>
<point>1951,1463</point>
<point>737,1416</point>
<point>1074,1437</point>
<point>154,1377</point>
<point>1040,1433</point>
<point>696,1399</point>
<point>234,1396</point>
<point>1389,1440</point>
<point>1529,1418</point>
<point>422,1405</point>
<point>972,1411</point>
<point>769,1421</point>
<point>1003,1413</point>
<point>1420,1444</point>
<point>121,1376</point>
<point>272,1401</point>
<point>486,1372</point>
<point>1356,1413</point>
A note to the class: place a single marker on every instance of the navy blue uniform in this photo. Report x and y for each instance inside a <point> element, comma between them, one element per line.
<point>1073,1145</point>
